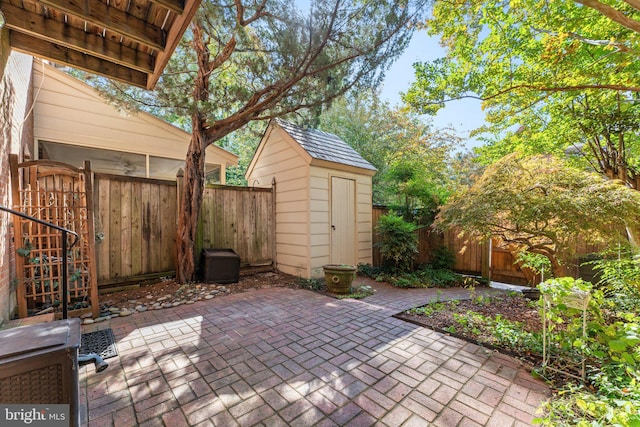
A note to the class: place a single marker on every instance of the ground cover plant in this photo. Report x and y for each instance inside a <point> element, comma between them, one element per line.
<point>610,395</point>
<point>426,276</point>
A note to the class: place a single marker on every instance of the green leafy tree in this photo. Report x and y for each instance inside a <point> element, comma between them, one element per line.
<point>542,205</point>
<point>552,76</point>
<point>413,158</point>
<point>252,61</point>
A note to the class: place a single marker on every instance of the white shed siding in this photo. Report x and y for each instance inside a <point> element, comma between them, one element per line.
<point>319,220</point>
<point>364,219</point>
<point>320,217</point>
<point>303,201</point>
<point>278,158</point>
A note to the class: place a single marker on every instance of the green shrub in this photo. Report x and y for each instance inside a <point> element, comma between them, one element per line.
<point>398,243</point>
<point>443,259</point>
<point>619,275</point>
<point>369,270</point>
<point>612,347</point>
<point>427,277</point>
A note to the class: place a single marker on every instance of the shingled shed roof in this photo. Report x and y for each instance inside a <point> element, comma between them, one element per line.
<point>325,146</point>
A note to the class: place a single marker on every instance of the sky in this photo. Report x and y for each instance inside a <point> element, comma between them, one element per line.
<point>463,116</point>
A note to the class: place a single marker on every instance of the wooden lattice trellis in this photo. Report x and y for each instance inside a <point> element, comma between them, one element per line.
<point>62,195</point>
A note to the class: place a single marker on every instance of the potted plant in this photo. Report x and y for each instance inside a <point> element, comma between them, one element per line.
<point>338,277</point>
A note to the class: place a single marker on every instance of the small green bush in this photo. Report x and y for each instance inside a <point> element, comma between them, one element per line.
<point>443,259</point>
<point>398,243</point>
<point>369,270</point>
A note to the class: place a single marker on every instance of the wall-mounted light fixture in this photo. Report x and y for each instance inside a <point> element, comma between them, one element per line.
<point>2,20</point>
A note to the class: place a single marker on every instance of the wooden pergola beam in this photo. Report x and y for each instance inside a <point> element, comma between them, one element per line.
<point>175,33</point>
<point>64,55</point>
<point>52,31</point>
<point>102,15</point>
<point>176,6</point>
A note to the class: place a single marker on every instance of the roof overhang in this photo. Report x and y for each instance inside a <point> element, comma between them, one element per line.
<point>128,41</point>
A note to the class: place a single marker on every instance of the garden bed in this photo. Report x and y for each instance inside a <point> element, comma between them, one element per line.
<point>509,323</point>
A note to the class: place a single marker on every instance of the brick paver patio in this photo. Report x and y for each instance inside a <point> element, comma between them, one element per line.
<point>284,357</point>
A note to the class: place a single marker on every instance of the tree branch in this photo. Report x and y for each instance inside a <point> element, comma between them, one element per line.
<point>259,13</point>
<point>540,89</point>
<point>621,47</point>
<point>634,4</point>
<point>614,14</point>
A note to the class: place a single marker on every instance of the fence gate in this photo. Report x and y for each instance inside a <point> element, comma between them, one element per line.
<point>62,195</point>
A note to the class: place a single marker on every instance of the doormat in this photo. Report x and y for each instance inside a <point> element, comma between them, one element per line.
<point>102,343</point>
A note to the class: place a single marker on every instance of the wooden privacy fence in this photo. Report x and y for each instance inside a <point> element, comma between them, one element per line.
<point>136,226</point>
<point>241,218</point>
<point>472,257</point>
<point>468,253</point>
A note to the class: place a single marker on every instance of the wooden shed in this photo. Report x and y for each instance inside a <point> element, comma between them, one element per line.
<point>323,198</point>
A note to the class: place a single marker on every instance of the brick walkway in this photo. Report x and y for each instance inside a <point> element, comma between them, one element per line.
<point>280,357</point>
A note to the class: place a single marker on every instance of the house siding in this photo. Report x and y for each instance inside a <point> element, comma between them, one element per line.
<point>70,112</point>
<point>16,137</point>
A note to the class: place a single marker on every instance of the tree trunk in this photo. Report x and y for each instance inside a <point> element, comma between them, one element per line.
<point>558,269</point>
<point>190,203</point>
<point>193,186</point>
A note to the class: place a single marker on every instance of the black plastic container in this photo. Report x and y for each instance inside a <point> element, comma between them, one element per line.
<point>219,266</point>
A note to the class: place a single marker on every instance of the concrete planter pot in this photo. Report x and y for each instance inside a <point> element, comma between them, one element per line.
<point>339,277</point>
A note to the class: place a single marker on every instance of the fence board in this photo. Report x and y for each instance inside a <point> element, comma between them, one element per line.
<point>125,229</point>
<point>113,234</point>
<point>240,218</point>
<point>137,217</point>
<point>136,230</point>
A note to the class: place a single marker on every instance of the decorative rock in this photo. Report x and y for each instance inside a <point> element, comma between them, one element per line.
<point>141,308</point>
<point>100,319</point>
<point>167,305</point>
<point>149,296</point>
<point>87,321</point>
<point>132,301</point>
<point>208,296</point>
<point>114,310</point>
<point>177,303</point>
<point>190,302</point>
<point>163,298</point>
<point>125,312</point>
<point>86,316</point>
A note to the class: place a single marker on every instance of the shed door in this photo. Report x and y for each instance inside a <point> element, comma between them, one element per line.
<point>343,221</point>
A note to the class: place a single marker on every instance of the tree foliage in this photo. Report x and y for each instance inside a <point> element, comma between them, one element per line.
<point>255,60</point>
<point>552,76</point>
<point>542,205</point>
<point>412,157</point>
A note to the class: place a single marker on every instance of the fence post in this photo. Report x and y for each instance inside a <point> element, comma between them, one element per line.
<point>485,260</point>
<point>272,232</point>
<point>91,237</point>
